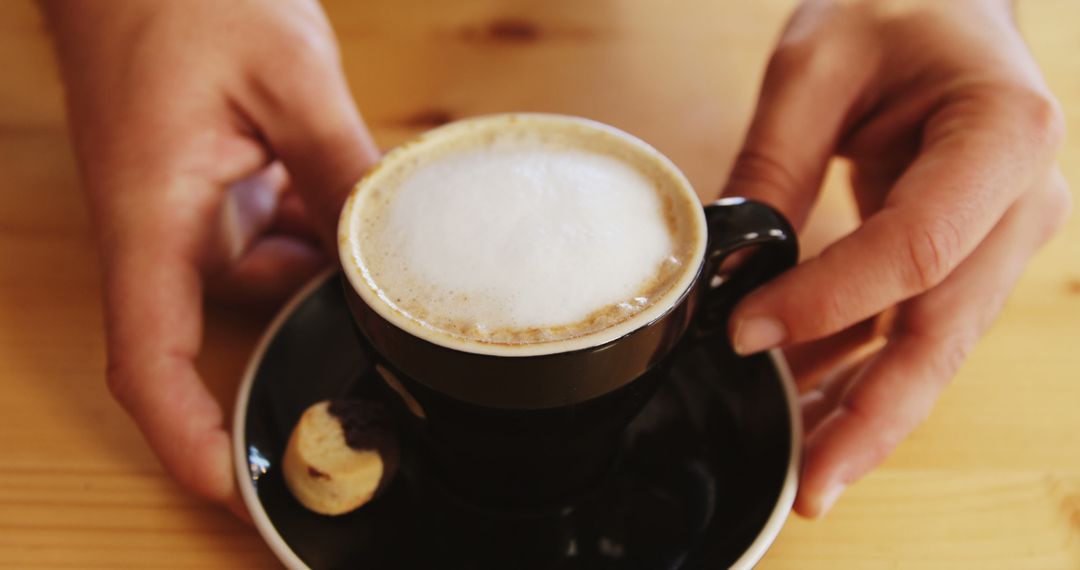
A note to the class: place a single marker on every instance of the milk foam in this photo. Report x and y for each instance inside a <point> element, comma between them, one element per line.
<point>518,240</point>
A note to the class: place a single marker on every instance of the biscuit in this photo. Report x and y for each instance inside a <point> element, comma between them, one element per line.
<point>325,473</point>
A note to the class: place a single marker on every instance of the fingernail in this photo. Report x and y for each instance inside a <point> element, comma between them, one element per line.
<point>757,334</point>
<point>828,499</point>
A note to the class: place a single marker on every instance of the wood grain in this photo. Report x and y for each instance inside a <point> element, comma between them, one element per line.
<point>992,480</point>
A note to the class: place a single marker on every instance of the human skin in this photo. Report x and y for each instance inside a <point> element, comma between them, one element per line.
<point>216,141</point>
<point>951,134</point>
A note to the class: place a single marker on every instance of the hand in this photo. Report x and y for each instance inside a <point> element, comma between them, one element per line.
<point>217,141</point>
<point>951,134</point>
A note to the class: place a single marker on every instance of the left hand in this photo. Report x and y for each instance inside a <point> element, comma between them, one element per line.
<point>217,142</point>
<point>951,133</point>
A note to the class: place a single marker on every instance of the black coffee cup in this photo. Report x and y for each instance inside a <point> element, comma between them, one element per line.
<point>534,431</point>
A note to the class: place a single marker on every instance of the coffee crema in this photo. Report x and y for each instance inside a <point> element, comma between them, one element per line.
<point>518,233</point>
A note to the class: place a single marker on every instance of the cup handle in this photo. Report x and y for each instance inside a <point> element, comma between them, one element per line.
<point>735,224</point>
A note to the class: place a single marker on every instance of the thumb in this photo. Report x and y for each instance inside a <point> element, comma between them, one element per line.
<point>808,94</point>
<point>303,108</point>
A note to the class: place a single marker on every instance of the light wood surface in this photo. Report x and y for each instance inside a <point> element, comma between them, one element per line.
<point>992,480</point>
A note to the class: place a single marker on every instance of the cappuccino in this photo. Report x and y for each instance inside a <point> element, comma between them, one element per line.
<point>522,234</point>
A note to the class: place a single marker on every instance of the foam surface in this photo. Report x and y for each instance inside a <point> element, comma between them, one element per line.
<point>520,242</point>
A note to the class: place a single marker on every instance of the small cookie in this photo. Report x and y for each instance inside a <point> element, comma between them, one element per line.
<point>324,472</point>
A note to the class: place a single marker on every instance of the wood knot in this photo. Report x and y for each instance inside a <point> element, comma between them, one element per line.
<point>427,119</point>
<point>503,30</point>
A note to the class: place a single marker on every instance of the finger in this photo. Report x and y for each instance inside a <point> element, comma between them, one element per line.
<point>262,203</point>
<point>872,179</point>
<point>294,219</point>
<point>895,391</point>
<point>810,91</point>
<point>154,323</point>
<point>817,403</point>
<point>237,507</point>
<point>303,107</point>
<point>248,208</point>
<point>271,271</point>
<point>971,170</point>
<point>810,361</point>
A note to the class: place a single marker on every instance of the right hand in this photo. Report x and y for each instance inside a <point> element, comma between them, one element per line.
<point>951,133</point>
<point>216,143</point>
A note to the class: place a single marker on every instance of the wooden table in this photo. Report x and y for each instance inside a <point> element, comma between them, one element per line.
<point>992,480</point>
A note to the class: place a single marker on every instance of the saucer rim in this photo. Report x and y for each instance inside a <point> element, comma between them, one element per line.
<point>241,465</point>
<point>265,527</point>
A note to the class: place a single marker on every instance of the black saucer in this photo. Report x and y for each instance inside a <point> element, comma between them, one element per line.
<point>706,477</point>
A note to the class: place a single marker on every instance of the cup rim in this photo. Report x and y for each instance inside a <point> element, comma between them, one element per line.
<point>266,529</point>
<point>361,284</point>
